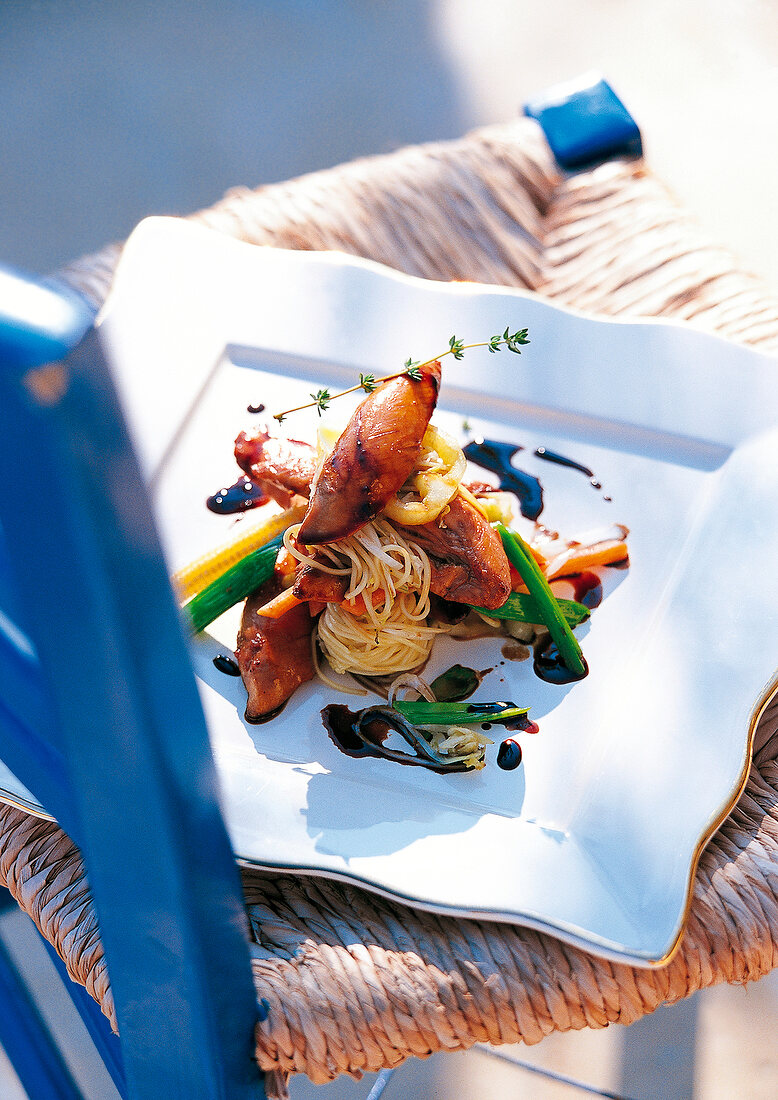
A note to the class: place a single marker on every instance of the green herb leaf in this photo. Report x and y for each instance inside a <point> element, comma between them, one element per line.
<point>456,347</point>
<point>455,684</point>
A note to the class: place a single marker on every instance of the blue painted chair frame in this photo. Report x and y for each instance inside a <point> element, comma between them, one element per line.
<point>99,712</point>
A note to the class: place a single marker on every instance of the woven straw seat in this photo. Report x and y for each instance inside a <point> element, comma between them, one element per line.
<point>354,982</point>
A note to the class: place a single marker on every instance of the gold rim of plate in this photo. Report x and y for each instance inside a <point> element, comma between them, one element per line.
<point>35,809</point>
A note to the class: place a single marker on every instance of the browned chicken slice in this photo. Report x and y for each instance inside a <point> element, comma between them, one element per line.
<point>373,457</point>
<point>274,655</point>
<point>312,584</point>
<point>467,556</point>
<point>284,468</point>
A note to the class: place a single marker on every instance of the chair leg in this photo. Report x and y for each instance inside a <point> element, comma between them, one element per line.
<point>105,1041</point>
<point>29,1044</point>
<point>26,1037</point>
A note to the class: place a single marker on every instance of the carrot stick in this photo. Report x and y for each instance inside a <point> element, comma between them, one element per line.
<point>579,558</point>
<point>280,604</point>
<point>517,584</point>
<point>357,605</point>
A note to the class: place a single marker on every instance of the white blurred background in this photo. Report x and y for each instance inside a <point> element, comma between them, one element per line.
<point>114,109</point>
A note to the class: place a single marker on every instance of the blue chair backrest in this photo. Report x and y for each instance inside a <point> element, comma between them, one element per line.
<point>99,711</point>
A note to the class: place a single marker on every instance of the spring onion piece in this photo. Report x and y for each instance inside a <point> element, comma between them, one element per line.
<point>422,713</point>
<point>233,586</point>
<point>520,555</point>
<point>523,608</point>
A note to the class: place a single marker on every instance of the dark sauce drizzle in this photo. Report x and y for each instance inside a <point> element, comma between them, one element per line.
<point>509,754</point>
<point>339,723</point>
<point>495,456</point>
<point>260,719</point>
<point>549,666</point>
<point>260,408</point>
<point>241,496</point>
<point>226,665</point>
<point>562,460</point>
<point>587,589</point>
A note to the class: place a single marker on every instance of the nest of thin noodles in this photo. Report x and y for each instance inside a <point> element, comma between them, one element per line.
<point>385,630</point>
<point>382,626</point>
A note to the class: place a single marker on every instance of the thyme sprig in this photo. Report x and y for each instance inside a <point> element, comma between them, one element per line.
<point>513,341</point>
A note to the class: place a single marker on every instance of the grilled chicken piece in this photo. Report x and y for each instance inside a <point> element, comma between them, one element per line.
<point>373,457</point>
<point>467,556</point>
<point>284,468</point>
<point>274,655</point>
<point>311,584</point>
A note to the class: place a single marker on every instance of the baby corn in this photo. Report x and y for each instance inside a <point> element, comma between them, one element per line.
<point>198,574</point>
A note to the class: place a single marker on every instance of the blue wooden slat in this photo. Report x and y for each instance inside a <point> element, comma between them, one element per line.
<point>106,1043</point>
<point>10,608</point>
<point>40,320</point>
<point>27,1040</point>
<point>144,805</point>
<point>26,709</point>
<point>32,760</point>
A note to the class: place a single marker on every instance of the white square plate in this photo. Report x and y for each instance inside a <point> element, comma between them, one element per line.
<point>596,836</point>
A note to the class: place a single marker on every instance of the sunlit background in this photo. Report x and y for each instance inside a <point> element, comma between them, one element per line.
<point>111,110</point>
<point>114,109</point>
